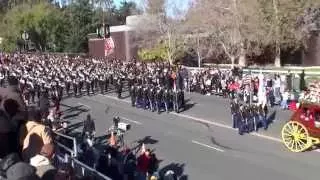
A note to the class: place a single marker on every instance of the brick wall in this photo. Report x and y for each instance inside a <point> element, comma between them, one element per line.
<point>124,47</point>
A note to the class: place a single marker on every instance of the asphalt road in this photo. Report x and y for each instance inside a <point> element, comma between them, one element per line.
<point>200,143</point>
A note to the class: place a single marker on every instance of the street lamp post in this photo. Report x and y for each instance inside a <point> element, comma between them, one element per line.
<point>25,37</point>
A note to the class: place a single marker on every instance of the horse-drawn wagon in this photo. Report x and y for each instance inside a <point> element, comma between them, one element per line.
<point>302,131</point>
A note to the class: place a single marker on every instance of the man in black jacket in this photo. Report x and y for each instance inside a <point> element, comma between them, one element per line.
<point>44,104</point>
<point>89,127</point>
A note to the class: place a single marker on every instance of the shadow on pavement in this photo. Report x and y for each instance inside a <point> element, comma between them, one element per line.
<point>73,108</point>
<point>272,117</point>
<point>125,97</point>
<point>214,142</point>
<point>74,126</point>
<point>188,106</point>
<point>147,140</point>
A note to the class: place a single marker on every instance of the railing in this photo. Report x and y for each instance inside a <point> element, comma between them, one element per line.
<point>74,151</point>
<point>80,169</point>
<point>310,71</point>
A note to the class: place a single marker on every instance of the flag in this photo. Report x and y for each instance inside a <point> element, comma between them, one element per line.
<point>108,46</point>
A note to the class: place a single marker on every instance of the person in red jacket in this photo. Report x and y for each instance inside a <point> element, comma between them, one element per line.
<point>143,164</point>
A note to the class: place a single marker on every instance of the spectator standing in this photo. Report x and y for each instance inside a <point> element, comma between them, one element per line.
<point>36,138</point>
<point>277,86</point>
<point>153,165</point>
<point>89,127</point>
<point>143,164</point>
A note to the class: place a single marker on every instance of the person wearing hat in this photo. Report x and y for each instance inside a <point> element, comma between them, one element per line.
<point>35,138</point>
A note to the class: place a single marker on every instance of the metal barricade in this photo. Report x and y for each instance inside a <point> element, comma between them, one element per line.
<point>74,150</point>
<point>80,169</point>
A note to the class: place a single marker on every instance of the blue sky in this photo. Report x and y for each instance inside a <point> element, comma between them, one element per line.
<point>182,4</point>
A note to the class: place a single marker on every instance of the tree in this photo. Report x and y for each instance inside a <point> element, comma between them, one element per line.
<point>231,25</point>
<point>158,53</point>
<point>308,25</point>
<point>155,7</point>
<point>156,27</point>
<point>127,9</point>
<point>281,18</point>
<point>80,16</point>
<point>42,22</point>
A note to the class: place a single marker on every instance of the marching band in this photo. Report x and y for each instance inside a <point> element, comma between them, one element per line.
<point>152,86</point>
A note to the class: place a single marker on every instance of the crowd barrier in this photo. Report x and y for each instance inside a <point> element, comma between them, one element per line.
<point>80,169</point>
<point>73,152</point>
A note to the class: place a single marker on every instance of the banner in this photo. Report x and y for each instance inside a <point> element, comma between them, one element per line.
<point>108,46</point>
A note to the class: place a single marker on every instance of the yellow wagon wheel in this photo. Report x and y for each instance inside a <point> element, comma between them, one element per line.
<point>295,136</point>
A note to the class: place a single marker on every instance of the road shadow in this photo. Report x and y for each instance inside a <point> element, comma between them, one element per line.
<point>71,108</point>
<point>147,140</point>
<point>125,97</point>
<point>177,168</point>
<point>272,117</point>
<point>138,144</point>
<point>69,116</point>
<point>214,142</point>
<point>188,106</point>
<point>212,139</point>
<point>74,126</point>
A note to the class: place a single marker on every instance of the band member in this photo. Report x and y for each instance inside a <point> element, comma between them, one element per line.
<point>263,111</point>
<point>133,95</point>
<point>178,102</point>
<point>139,96</point>
<point>56,99</point>
<point>101,84</point>
<point>88,85</point>
<point>1,79</point>
<point>80,82</point>
<point>68,85</point>
<point>75,87</point>
<point>37,87</point>
<point>31,90</point>
<point>158,98</point>
<point>61,87</point>
<point>119,86</point>
<point>234,106</point>
<point>242,124</point>
<point>47,86</point>
<point>96,80</point>
<point>130,80</point>
<point>145,100</point>
<point>167,96</point>
<point>151,97</point>
<point>92,83</point>
<point>44,104</point>
<point>106,81</point>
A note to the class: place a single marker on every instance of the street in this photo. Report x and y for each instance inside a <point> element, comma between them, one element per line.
<point>199,144</point>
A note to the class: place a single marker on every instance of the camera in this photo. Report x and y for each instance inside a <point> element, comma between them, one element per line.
<point>124,126</point>
<point>121,125</point>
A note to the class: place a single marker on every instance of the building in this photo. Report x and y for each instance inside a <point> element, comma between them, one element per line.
<point>123,37</point>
